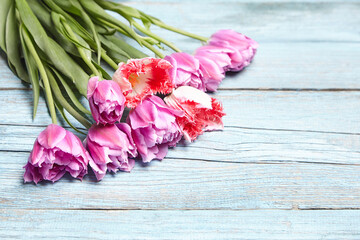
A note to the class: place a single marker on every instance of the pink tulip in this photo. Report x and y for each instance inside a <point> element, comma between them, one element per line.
<point>139,78</point>
<point>212,73</point>
<point>106,100</point>
<point>240,48</point>
<point>110,147</point>
<point>154,128</point>
<point>202,113</point>
<point>55,152</point>
<point>186,70</point>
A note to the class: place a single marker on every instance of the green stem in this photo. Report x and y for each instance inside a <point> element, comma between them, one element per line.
<point>43,74</point>
<point>81,51</point>
<point>109,60</point>
<point>154,50</point>
<point>182,32</point>
<point>140,41</point>
<point>150,34</point>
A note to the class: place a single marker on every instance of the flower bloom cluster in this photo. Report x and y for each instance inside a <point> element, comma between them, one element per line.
<point>153,124</point>
<point>226,50</point>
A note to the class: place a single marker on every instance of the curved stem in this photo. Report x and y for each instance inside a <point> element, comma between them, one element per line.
<point>154,50</point>
<point>182,32</point>
<point>81,51</point>
<point>140,41</point>
<point>43,74</point>
<point>150,34</point>
<point>108,60</point>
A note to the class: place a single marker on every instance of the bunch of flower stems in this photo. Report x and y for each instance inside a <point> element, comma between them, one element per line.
<point>57,44</point>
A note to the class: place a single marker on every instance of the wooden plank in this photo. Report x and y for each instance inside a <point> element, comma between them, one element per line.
<point>235,145</point>
<point>188,184</point>
<point>40,224</point>
<point>278,65</point>
<point>289,110</point>
<point>262,20</point>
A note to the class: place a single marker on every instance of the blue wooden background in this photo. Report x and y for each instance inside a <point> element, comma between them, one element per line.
<point>286,166</point>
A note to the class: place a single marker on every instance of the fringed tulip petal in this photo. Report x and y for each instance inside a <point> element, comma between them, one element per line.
<point>202,113</point>
<point>139,78</point>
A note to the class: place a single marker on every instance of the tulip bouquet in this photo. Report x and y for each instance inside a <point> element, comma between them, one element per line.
<point>61,46</point>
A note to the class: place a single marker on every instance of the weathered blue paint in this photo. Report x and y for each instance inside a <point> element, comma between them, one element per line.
<point>290,147</point>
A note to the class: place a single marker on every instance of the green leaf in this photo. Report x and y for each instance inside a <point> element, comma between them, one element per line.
<point>56,54</point>
<point>29,44</point>
<point>103,72</point>
<point>13,45</point>
<point>4,10</point>
<point>105,30</point>
<point>119,8</point>
<point>76,8</point>
<point>70,93</point>
<point>33,73</point>
<point>62,112</point>
<point>120,45</point>
<point>112,47</point>
<point>98,12</point>
<point>63,102</point>
<point>59,22</point>
<point>44,16</point>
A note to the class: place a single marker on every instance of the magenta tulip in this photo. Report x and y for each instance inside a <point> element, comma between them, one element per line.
<point>154,128</point>
<point>186,70</point>
<point>240,48</point>
<point>110,147</point>
<point>55,152</point>
<point>106,100</point>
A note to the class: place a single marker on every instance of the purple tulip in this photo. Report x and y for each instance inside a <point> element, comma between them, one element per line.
<point>55,152</point>
<point>154,128</point>
<point>110,147</point>
<point>186,70</point>
<point>240,48</point>
<point>106,100</point>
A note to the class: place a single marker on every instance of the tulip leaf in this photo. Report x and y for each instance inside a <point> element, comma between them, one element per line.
<point>76,8</point>
<point>4,10</point>
<point>105,30</point>
<point>70,93</point>
<point>98,12</point>
<point>62,112</point>
<point>103,72</point>
<point>120,46</point>
<point>112,47</point>
<point>44,17</point>
<point>33,73</point>
<point>40,65</point>
<point>13,45</point>
<point>59,22</point>
<point>63,102</point>
<point>55,53</point>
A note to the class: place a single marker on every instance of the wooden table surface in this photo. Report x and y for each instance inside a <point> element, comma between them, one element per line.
<point>286,166</point>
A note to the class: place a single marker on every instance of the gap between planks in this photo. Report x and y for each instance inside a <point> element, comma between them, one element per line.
<point>294,208</point>
<point>227,126</point>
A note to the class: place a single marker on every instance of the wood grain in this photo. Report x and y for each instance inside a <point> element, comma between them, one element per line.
<point>277,66</point>
<point>189,184</point>
<point>40,224</point>
<point>286,166</point>
<point>287,110</point>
